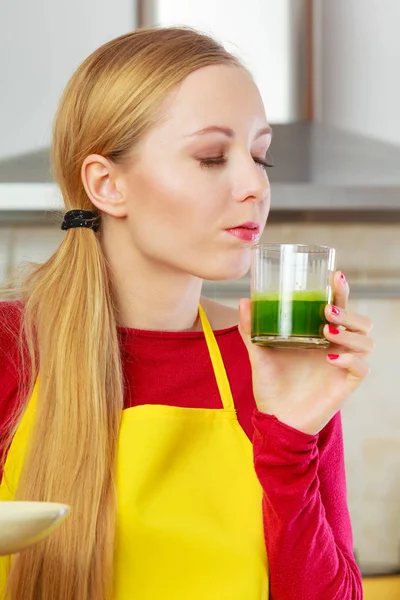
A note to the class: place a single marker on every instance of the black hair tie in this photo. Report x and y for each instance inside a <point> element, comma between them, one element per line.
<point>81,218</point>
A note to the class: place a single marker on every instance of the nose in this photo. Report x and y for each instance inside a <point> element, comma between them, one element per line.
<point>251,183</point>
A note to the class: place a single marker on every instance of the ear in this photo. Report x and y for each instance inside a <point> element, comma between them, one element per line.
<point>100,180</point>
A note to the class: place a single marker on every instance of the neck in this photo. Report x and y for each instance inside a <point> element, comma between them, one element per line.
<point>150,296</point>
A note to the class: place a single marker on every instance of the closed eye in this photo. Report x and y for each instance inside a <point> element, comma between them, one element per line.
<point>218,161</point>
<point>266,162</point>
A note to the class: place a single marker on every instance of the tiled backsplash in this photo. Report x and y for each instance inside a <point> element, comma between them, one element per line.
<point>21,243</point>
<point>368,254</point>
<point>5,244</point>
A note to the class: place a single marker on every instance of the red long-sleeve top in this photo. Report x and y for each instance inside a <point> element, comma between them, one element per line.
<point>307,527</point>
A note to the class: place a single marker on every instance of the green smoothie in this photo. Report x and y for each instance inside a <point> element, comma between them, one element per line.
<point>299,315</point>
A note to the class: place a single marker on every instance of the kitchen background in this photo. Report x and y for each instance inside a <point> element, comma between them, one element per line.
<point>327,73</point>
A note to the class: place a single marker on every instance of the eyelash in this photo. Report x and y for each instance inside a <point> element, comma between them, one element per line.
<point>219,161</point>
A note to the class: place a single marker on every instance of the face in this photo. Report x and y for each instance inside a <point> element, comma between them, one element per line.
<point>197,192</point>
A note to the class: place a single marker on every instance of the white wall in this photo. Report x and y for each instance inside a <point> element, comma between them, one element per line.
<point>41,44</point>
<point>255,30</point>
<point>357,52</point>
<point>358,66</point>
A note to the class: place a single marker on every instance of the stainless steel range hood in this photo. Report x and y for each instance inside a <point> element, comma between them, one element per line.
<point>318,167</point>
<point>311,162</point>
<point>305,154</point>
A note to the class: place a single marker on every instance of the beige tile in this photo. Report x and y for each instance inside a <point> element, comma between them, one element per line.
<point>34,244</point>
<point>378,548</point>
<point>4,253</point>
<point>374,409</point>
<point>364,251</point>
<point>371,425</point>
<point>382,470</point>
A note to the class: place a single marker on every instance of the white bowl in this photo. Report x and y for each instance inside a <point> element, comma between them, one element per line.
<point>25,523</point>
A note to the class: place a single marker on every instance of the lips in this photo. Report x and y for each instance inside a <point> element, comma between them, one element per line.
<point>248,232</point>
<point>250,225</point>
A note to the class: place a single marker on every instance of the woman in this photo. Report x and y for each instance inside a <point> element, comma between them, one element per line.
<point>132,391</point>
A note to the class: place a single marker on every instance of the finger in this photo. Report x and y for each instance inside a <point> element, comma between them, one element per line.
<point>351,321</point>
<point>340,289</point>
<point>348,339</point>
<point>355,365</point>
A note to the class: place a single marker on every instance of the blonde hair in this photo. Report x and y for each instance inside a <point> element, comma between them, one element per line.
<point>69,324</point>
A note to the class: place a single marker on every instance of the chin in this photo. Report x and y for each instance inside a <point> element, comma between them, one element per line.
<point>225,270</point>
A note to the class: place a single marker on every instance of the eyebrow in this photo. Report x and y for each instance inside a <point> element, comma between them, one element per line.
<point>228,132</point>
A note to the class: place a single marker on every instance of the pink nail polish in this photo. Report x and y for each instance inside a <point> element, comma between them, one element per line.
<point>333,330</point>
<point>343,277</point>
<point>333,356</point>
<point>335,311</point>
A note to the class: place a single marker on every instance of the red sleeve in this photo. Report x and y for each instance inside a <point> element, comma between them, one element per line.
<point>306,519</point>
<point>10,319</point>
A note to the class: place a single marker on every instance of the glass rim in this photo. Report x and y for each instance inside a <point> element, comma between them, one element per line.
<point>311,248</point>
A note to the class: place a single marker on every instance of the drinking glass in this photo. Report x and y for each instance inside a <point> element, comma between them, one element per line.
<point>290,287</point>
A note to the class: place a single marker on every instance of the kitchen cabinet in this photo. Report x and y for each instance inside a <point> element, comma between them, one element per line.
<point>382,588</point>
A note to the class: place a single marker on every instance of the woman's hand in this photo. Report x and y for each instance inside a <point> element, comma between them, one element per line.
<point>305,388</point>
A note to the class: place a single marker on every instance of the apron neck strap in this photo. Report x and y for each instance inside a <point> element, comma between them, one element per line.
<point>217,363</point>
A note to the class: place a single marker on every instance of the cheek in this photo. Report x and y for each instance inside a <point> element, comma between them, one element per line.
<point>266,206</point>
<point>193,196</point>
<point>153,203</point>
<point>162,216</point>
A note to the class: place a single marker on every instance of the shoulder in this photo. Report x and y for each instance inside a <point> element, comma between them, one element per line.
<point>220,315</point>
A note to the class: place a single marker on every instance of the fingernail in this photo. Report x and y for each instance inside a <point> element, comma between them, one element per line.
<point>335,311</point>
<point>333,330</point>
<point>343,277</point>
<point>333,356</point>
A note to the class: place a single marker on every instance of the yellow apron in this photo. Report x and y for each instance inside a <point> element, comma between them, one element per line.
<point>189,502</point>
